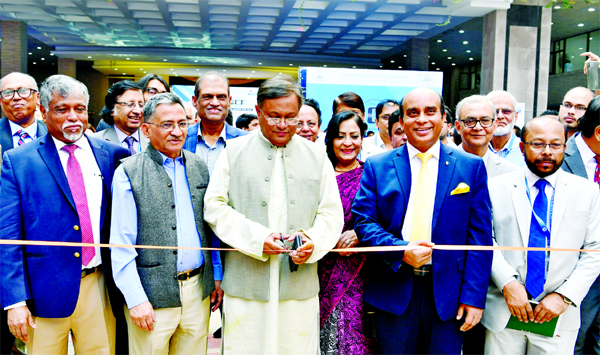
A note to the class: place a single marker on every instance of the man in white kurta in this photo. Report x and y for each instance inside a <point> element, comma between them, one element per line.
<point>267,308</point>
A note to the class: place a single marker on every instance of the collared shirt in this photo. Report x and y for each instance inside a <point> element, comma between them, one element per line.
<point>533,191</point>
<point>31,130</point>
<point>124,231</point>
<point>208,153</point>
<point>415,168</point>
<point>486,156</point>
<point>511,151</point>
<point>92,179</point>
<point>136,139</point>
<point>587,156</point>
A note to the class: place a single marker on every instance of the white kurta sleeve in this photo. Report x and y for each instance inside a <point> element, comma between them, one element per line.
<point>329,222</point>
<point>229,225</point>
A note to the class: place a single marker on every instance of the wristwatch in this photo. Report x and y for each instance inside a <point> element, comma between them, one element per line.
<point>567,301</point>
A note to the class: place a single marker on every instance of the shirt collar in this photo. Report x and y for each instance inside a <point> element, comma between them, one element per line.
<point>486,155</point>
<point>122,135</point>
<point>81,143</point>
<point>532,178</point>
<point>222,135</point>
<point>584,150</point>
<point>508,145</point>
<point>31,129</point>
<point>434,150</point>
<point>166,160</point>
<point>378,141</point>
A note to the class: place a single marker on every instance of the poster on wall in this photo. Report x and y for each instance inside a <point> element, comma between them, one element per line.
<point>243,99</point>
<point>325,84</point>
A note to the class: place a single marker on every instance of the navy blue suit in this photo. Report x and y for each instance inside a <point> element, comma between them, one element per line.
<point>192,135</point>
<point>36,204</point>
<point>459,219</point>
<point>6,139</point>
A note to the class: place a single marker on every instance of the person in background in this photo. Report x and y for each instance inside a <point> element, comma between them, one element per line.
<point>153,84</point>
<point>504,142</point>
<point>573,107</point>
<point>309,120</point>
<point>396,129</point>
<point>550,113</point>
<point>190,113</point>
<point>341,274</point>
<point>349,101</point>
<point>247,122</point>
<point>446,128</point>
<point>370,134</point>
<point>382,114</point>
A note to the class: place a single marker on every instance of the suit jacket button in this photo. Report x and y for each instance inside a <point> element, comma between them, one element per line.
<point>264,203</point>
<point>76,227</point>
<point>267,179</point>
<point>169,184</point>
<point>269,157</point>
<point>175,252</point>
<point>77,255</point>
<point>173,207</point>
<point>174,227</point>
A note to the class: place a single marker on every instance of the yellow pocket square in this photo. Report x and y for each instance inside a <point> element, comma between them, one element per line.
<point>462,188</point>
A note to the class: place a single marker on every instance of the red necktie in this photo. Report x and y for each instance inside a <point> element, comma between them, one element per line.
<point>77,186</point>
<point>597,173</point>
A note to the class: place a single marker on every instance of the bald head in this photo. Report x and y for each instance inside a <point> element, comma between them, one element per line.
<point>574,105</point>
<point>543,145</point>
<point>19,105</point>
<point>423,117</point>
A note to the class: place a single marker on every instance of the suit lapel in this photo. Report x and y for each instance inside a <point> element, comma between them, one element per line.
<point>446,167</point>
<point>522,206</point>
<point>42,130</point>
<point>402,165</point>
<point>573,160</point>
<point>49,154</point>
<point>561,197</point>
<point>111,135</point>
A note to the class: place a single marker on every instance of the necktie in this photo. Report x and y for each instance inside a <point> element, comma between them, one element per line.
<point>22,136</point>
<point>77,186</point>
<point>421,218</point>
<point>538,232</point>
<point>129,140</point>
<point>597,173</point>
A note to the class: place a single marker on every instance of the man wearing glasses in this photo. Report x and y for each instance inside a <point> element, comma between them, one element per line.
<point>476,123</point>
<point>573,107</point>
<point>123,111</point>
<point>19,98</point>
<point>383,111</point>
<point>541,206</point>
<point>504,142</point>
<point>158,200</point>
<point>267,189</point>
<point>153,84</point>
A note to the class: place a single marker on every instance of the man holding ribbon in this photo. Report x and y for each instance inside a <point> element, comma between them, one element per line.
<point>538,207</point>
<point>57,189</point>
<point>158,200</point>
<point>422,194</point>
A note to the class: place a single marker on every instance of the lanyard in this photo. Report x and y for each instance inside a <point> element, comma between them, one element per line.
<point>542,222</point>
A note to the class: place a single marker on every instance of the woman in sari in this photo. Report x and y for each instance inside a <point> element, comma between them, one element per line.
<point>340,274</point>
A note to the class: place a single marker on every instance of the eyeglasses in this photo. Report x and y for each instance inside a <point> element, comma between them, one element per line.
<point>568,106</point>
<point>542,145</point>
<point>154,91</point>
<point>384,117</point>
<point>275,120</point>
<point>472,122</point>
<point>170,126</point>
<point>22,92</point>
<point>131,104</point>
<point>505,111</point>
<point>310,124</point>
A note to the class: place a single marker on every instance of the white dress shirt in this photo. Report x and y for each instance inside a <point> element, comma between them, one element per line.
<point>587,156</point>
<point>415,167</point>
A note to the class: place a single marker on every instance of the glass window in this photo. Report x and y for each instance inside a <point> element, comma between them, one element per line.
<point>594,41</point>
<point>573,48</point>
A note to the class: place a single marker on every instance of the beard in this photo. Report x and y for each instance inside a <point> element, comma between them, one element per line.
<point>542,174</point>
<point>73,137</point>
<point>502,131</point>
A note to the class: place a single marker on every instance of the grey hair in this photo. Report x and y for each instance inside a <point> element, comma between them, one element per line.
<point>279,86</point>
<point>64,86</point>
<point>152,104</point>
<point>25,75</point>
<point>207,76</point>
<point>497,93</point>
<point>472,100</point>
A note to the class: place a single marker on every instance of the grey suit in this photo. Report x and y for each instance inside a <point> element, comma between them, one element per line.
<point>590,307</point>
<point>575,225</point>
<point>110,134</point>
<point>498,166</point>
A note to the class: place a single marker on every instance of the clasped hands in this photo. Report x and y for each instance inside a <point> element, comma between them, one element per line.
<point>274,246</point>
<point>551,306</point>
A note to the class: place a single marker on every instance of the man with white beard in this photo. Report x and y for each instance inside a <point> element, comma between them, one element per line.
<point>505,143</point>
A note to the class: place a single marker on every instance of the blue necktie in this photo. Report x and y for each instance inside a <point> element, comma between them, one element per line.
<point>129,140</point>
<point>538,234</point>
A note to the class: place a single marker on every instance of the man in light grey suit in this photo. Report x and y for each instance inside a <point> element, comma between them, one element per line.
<point>565,214</point>
<point>476,123</point>
<point>123,110</point>
<point>582,158</point>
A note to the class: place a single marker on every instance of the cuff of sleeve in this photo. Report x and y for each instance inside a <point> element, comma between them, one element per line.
<point>135,297</point>
<point>218,272</point>
<point>511,279</point>
<point>16,305</point>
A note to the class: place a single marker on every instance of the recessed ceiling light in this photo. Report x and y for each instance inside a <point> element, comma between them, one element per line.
<point>470,58</point>
<point>197,69</point>
<point>32,53</point>
<point>354,66</point>
<point>291,64</point>
<point>43,58</point>
<point>437,68</point>
<point>34,63</point>
<point>280,73</point>
<point>248,77</point>
<point>224,69</point>
<point>453,64</point>
<point>176,75</point>
<point>432,63</point>
<point>195,61</point>
<point>141,69</point>
<point>449,57</point>
<point>439,41</point>
<point>171,69</point>
<point>444,50</point>
<point>52,54</point>
<point>116,69</point>
<point>324,65</point>
<point>591,9</point>
<point>145,72</point>
<point>259,63</point>
<point>392,61</point>
<point>405,56</point>
<point>164,60</point>
<point>465,42</point>
<point>225,62</point>
<point>128,58</point>
<point>124,73</point>
<point>89,56</point>
<point>580,25</point>
<point>557,7</point>
<point>468,51</point>
<point>39,47</point>
<point>461,31</point>
<point>254,71</point>
<point>381,66</point>
<point>399,67</point>
<point>579,49</point>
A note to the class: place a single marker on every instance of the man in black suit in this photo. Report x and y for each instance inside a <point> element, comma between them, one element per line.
<point>20,95</point>
<point>582,158</point>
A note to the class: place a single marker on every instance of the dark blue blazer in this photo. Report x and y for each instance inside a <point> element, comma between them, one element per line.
<point>192,135</point>
<point>460,219</point>
<point>6,139</point>
<point>36,204</point>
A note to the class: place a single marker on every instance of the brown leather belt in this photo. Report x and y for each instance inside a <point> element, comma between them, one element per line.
<point>185,275</point>
<point>86,272</point>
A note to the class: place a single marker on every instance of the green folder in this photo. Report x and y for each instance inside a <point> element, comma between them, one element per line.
<point>547,329</point>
